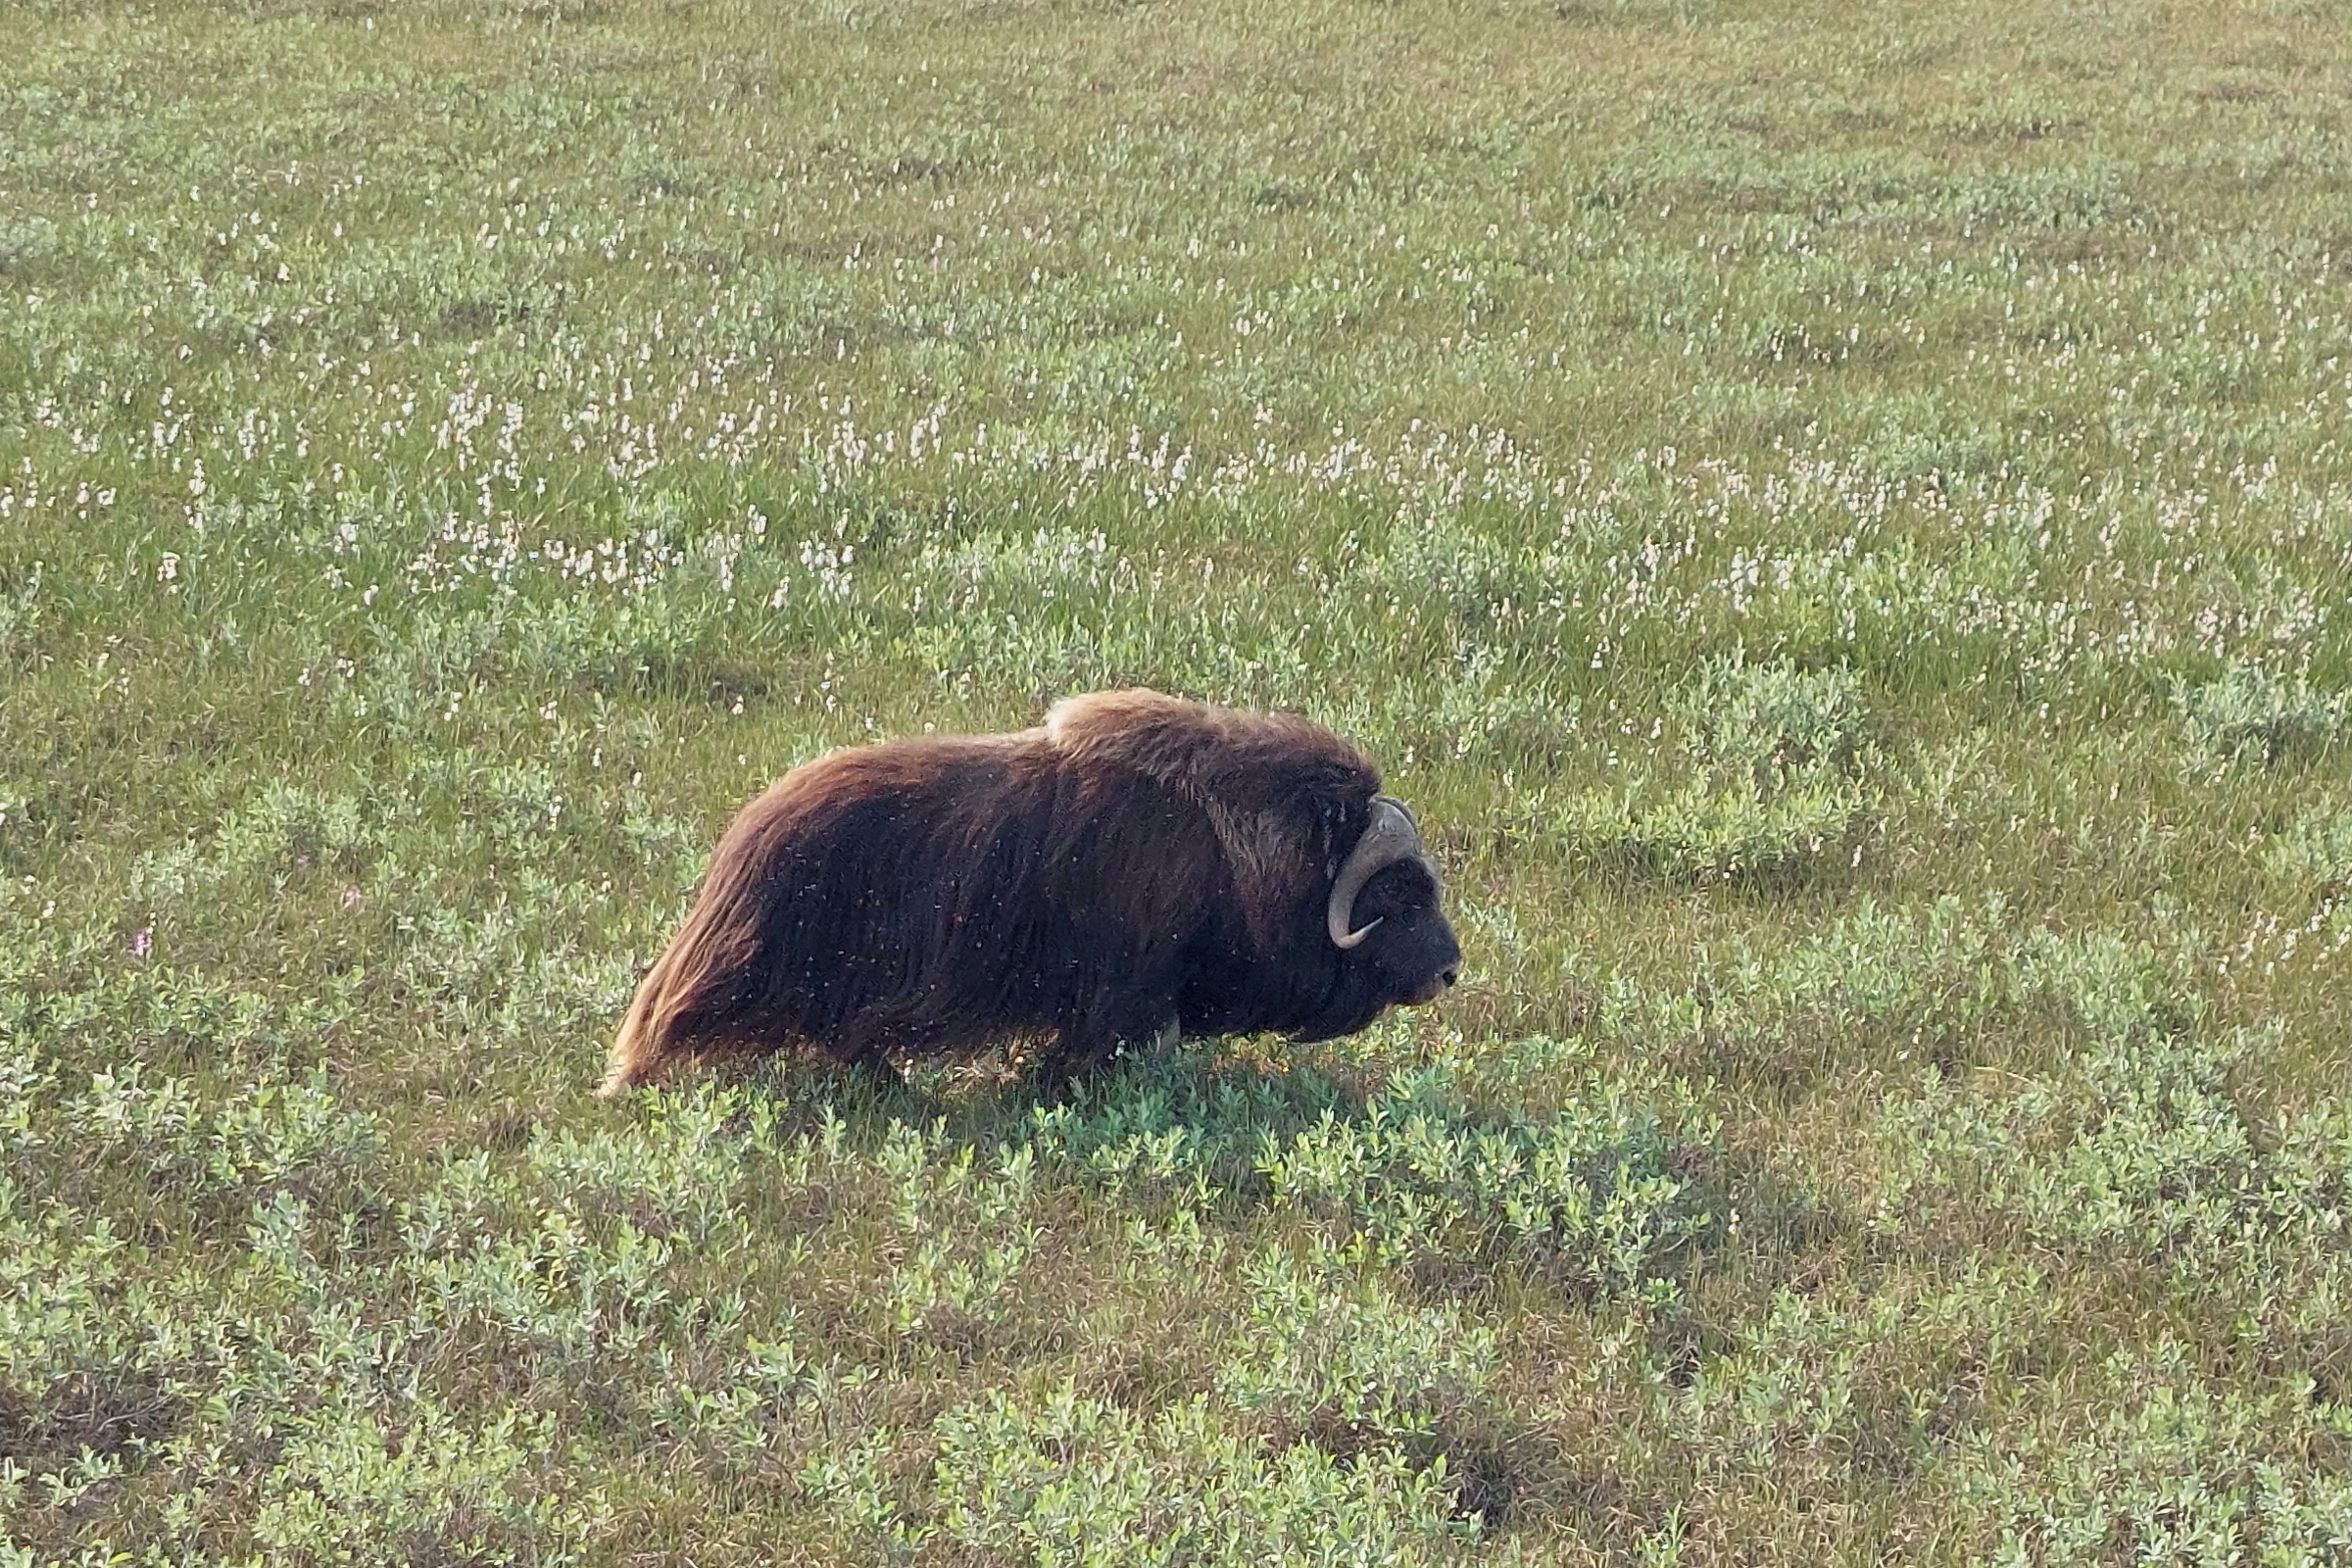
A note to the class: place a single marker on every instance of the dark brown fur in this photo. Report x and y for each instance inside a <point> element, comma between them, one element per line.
<point>1136,858</point>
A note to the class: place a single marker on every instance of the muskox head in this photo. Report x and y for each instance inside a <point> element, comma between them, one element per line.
<point>1391,942</point>
<point>1363,930</point>
<point>1383,913</point>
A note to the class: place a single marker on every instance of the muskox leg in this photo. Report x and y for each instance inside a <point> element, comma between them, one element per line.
<point>852,1048</point>
<point>1138,1008</point>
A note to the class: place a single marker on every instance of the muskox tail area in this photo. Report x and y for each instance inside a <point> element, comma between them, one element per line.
<point>694,998</point>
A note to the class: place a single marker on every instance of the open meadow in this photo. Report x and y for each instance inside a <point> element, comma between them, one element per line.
<point>1837,517</point>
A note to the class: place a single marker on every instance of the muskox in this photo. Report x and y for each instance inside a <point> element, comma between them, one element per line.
<point>1136,865</point>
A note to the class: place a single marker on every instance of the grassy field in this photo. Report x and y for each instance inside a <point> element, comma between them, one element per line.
<point>1836,517</point>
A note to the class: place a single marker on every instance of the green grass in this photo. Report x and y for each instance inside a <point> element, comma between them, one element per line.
<point>1836,518</point>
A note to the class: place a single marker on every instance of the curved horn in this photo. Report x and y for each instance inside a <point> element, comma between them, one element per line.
<point>1389,837</point>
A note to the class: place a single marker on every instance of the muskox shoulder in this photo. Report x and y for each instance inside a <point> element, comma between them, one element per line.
<point>1204,752</point>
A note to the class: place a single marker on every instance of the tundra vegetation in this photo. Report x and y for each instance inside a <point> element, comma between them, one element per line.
<point>1836,518</point>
